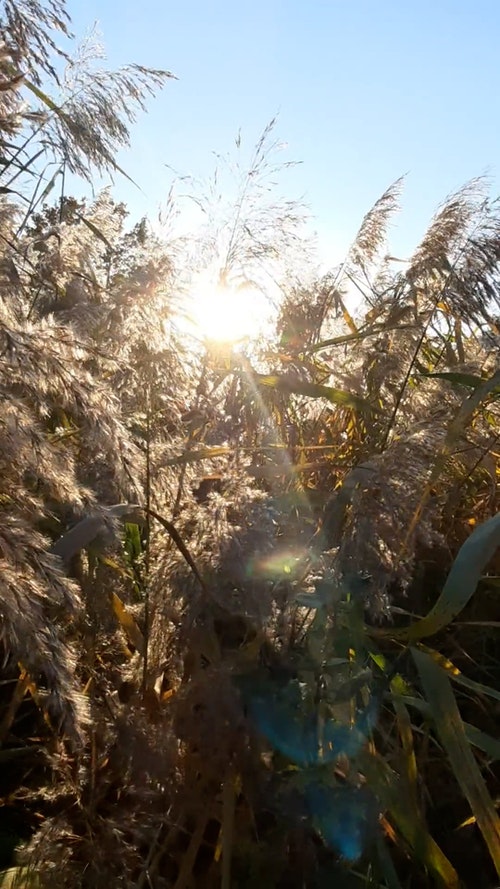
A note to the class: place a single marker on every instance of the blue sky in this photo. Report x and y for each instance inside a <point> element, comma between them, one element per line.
<point>366,91</point>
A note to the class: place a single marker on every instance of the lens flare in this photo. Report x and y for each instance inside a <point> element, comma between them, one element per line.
<point>346,817</point>
<point>279,565</point>
<point>225,313</point>
<point>284,716</point>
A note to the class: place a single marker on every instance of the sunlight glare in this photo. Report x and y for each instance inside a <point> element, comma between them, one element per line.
<point>226,313</point>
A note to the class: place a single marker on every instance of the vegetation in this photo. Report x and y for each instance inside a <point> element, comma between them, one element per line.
<point>247,595</point>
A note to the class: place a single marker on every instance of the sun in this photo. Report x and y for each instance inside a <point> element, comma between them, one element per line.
<point>227,313</point>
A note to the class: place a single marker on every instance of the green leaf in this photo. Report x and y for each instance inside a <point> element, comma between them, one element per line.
<point>408,822</point>
<point>471,381</point>
<point>451,733</point>
<point>207,453</point>
<point>479,739</point>
<point>491,580</point>
<point>481,393</point>
<point>360,335</point>
<point>50,185</point>
<point>454,673</point>
<point>19,878</point>
<point>294,386</point>
<point>133,542</point>
<point>388,869</point>
<point>95,231</point>
<point>11,753</point>
<point>47,101</point>
<point>461,583</point>
<point>408,759</point>
<point>483,741</point>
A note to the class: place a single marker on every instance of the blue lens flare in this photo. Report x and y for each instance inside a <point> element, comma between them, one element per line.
<point>344,816</point>
<point>293,727</point>
<point>294,737</point>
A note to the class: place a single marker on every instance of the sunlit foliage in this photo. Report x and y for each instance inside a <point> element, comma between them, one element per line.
<point>247,590</point>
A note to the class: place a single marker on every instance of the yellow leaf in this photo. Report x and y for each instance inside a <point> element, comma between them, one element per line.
<point>127,623</point>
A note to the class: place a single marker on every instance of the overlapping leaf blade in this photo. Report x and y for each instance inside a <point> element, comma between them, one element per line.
<point>451,732</point>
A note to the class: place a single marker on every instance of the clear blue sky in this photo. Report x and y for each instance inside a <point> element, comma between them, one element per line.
<point>366,90</point>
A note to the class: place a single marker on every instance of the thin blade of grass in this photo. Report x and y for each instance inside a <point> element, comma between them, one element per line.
<point>353,337</point>
<point>95,230</point>
<point>471,381</point>
<point>36,198</point>
<point>23,168</point>
<point>43,97</point>
<point>207,453</point>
